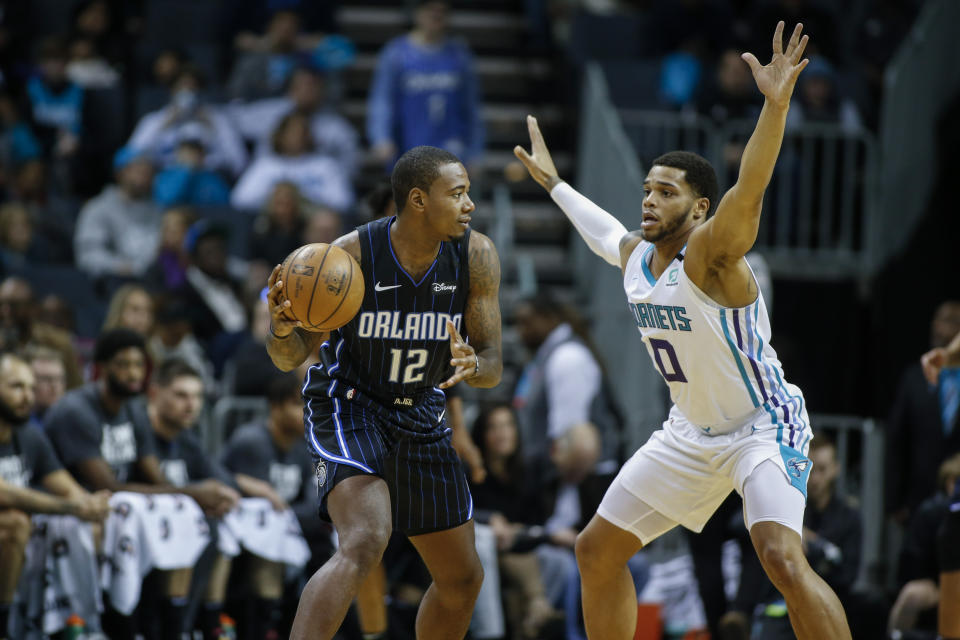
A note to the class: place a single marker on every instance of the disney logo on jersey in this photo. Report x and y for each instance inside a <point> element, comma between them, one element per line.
<point>444,287</point>
<point>659,316</point>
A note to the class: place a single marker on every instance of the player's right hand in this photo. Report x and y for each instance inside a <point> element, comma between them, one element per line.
<point>282,322</point>
<point>539,162</point>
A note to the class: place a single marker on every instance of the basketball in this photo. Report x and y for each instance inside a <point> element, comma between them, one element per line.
<point>324,285</point>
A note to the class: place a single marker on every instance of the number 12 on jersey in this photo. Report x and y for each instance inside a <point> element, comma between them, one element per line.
<point>413,372</point>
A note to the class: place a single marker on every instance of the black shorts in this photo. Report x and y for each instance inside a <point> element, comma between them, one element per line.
<point>428,488</point>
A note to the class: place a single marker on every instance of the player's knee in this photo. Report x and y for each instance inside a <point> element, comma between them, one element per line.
<point>16,530</point>
<point>589,551</point>
<point>365,551</point>
<point>784,563</point>
<point>460,588</point>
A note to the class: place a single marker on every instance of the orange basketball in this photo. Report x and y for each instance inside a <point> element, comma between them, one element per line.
<point>324,285</point>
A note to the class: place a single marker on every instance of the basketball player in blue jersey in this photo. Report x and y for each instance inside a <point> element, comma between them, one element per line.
<point>735,423</point>
<point>374,405</point>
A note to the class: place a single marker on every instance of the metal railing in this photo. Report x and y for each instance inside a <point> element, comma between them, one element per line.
<point>818,210</point>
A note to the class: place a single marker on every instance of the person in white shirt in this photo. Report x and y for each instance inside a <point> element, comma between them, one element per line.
<point>321,179</point>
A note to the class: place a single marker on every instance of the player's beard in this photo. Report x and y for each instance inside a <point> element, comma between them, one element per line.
<point>119,389</point>
<point>667,228</point>
<point>9,415</point>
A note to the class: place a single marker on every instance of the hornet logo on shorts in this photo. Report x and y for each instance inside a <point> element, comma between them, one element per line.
<point>321,473</point>
<point>798,466</point>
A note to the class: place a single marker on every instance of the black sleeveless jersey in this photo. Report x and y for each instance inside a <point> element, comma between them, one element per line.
<point>397,348</point>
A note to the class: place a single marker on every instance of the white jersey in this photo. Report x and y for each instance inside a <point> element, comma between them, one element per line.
<point>717,361</point>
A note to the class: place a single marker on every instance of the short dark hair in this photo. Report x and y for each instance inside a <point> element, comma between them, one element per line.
<point>173,368</point>
<point>112,342</point>
<point>283,387</point>
<point>699,174</point>
<point>417,169</point>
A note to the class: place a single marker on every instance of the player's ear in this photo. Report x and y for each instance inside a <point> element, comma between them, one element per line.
<point>417,199</point>
<point>700,208</point>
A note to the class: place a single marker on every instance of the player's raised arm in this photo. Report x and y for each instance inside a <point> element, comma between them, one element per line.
<point>479,362</point>
<point>731,233</point>
<point>600,230</point>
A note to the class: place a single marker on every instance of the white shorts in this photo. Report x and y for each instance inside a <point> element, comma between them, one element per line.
<point>682,474</point>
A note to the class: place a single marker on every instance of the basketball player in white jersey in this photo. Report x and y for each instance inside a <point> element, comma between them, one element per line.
<point>735,423</point>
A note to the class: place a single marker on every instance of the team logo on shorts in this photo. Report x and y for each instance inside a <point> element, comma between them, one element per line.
<point>350,393</point>
<point>321,473</point>
<point>798,466</point>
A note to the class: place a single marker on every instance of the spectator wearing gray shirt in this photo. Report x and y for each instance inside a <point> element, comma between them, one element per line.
<point>118,231</point>
<point>32,480</point>
<point>276,453</point>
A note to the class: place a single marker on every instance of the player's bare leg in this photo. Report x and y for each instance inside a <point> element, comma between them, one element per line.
<point>815,611</point>
<point>451,556</point>
<point>360,509</point>
<point>371,602</point>
<point>609,595</point>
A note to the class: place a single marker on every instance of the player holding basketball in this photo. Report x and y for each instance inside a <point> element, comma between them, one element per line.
<point>735,423</point>
<point>373,410</point>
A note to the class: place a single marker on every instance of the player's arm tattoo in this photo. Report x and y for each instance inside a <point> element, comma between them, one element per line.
<point>482,316</point>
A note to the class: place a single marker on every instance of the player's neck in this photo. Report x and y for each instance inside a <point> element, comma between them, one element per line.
<point>426,39</point>
<point>666,250</point>
<point>414,246</point>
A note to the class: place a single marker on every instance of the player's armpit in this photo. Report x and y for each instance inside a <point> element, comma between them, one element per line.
<point>482,315</point>
<point>628,243</point>
<point>351,244</point>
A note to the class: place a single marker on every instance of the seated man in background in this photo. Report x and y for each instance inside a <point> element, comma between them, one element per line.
<point>107,444</point>
<point>50,380</point>
<point>275,453</point>
<point>175,401</point>
<point>27,463</point>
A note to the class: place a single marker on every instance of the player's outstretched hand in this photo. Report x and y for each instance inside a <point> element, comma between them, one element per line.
<point>538,162</point>
<point>463,357</point>
<point>777,79</point>
<point>932,362</point>
<point>282,322</point>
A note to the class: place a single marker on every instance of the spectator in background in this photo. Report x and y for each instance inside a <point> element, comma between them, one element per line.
<point>169,271</point>
<point>19,244</point>
<point>176,398</point>
<point>187,180</point>
<point>919,570</point>
<point>159,132</point>
<point>173,338</point>
<point>819,99</point>
<point>730,94</point>
<point>27,463</point>
<point>262,71</point>
<point>426,92</point>
<point>562,385</point>
<point>118,231</point>
<point>323,225</point>
<point>131,307</point>
<point>379,202</point>
<point>321,179</point>
<point>87,68</point>
<point>52,214</point>
<point>211,294</point>
<point>923,430</point>
<point>274,453</point>
<point>166,67</point>
<point>56,103</point>
<point>18,144</point>
<point>19,328</point>
<point>306,93</point>
<point>250,369</point>
<point>50,379</point>
<point>94,20</point>
<point>506,501</point>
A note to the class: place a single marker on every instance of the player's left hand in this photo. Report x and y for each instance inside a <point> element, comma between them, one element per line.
<point>464,358</point>
<point>777,79</point>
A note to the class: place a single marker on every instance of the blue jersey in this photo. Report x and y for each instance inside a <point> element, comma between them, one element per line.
<point>397,348</point>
